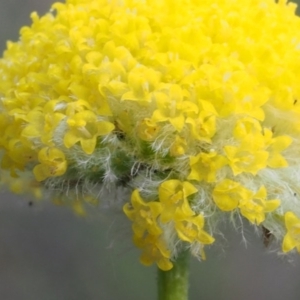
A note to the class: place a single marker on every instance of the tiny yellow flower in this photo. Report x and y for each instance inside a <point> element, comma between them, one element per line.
<point>173,197</point>
<point>142,82</point>
<point>84,127</point>
<point>248,127</point>
<point>190,229</point>
<point>178,147</point>
<point>275,146</point>
<point>205,166</point>
<point>147,130</point>
<point>246,158</point>
<point>203,124</point>
<point>250,155</point>
<point>144,215</point>
<point>20,186</point>
<point>292,238</point>
<point>172,104</point>
<point>254,209</point>
<point>41,125</point>
<point>228,193</point>
<point>52,163</point>
<point>154,251</point>
<point>77,106</point>
<point>18,156</point>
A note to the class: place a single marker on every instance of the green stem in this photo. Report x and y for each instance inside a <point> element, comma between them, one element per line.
<point>173,284</point>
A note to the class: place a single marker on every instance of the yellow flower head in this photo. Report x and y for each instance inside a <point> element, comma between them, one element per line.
<point>191,107</point>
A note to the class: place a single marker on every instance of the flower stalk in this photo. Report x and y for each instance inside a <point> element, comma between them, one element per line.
<point>173,284</point>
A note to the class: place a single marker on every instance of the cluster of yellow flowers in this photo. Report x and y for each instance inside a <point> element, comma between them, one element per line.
<point>172,209</point>
<point>193,107</point>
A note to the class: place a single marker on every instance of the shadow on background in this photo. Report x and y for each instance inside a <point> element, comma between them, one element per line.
<point>47,253</point>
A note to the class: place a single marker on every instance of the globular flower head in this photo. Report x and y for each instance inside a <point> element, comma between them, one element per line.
<point>183,113</point>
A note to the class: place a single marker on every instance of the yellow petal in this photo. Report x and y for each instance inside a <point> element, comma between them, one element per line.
<point>40,173</point>
<point>288,243</point>
<point>70,139</point>
<point>88,145</point>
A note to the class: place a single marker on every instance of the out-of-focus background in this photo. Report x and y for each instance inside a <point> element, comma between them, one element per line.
<point>47,253</point>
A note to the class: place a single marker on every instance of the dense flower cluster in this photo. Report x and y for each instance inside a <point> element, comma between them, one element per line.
<point>191,107</point>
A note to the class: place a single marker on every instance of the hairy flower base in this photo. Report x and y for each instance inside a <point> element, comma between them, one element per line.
<point>189,107</point>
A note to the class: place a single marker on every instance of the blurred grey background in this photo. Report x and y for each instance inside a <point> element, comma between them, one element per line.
<point>47,253</point>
